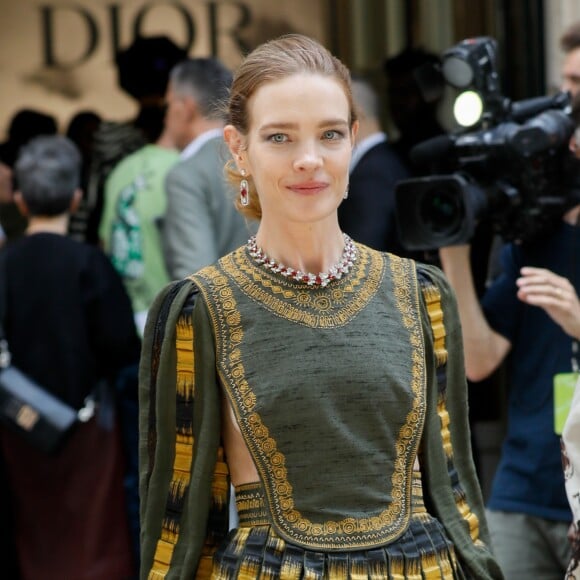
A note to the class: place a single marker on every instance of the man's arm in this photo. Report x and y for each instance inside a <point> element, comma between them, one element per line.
<point>484,348</point>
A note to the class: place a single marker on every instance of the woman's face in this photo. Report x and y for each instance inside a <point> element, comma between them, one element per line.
<point>298,147</point>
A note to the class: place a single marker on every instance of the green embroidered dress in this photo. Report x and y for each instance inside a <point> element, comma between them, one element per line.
<point>336,391</point>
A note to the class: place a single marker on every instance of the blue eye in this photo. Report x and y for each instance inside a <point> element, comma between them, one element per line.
<point>332,135</point>
<point>278,138</point>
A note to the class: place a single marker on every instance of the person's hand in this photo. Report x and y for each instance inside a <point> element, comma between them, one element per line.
<point>572,534</point>
<point>555,294</point>
<point>5,183</point>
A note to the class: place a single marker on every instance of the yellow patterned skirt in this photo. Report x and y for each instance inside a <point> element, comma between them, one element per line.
<point>254,550</point>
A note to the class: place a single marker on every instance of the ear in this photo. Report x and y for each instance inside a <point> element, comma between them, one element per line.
<point>190,107</point>
<point>20,203</point>
<point>236,143</point>
<point>75,201</point>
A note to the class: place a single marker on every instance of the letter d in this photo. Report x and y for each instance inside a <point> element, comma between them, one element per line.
<point>47,14</point>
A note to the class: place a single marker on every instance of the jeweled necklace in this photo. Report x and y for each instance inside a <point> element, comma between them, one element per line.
<point>336,272</point>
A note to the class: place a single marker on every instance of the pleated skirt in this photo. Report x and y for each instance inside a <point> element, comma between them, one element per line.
<point>254,550</point>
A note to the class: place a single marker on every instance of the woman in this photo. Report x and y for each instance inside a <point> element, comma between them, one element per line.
<point>318,376</point>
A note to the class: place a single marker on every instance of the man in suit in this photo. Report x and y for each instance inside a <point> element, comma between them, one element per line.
<point>368,214</point>
<point>201,223</point>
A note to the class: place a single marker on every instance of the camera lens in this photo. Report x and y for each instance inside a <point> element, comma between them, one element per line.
<point>442,211</point>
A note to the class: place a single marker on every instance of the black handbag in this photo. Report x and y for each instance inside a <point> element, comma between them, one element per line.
<point>42,419</point>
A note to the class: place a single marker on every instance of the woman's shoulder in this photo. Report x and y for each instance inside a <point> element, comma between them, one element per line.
<point>177,292</point>
<point>171,303</point>
<point>430,273</point>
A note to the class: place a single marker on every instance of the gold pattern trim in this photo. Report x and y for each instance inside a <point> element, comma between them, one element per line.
<point>432,297</point>
<point>309,305</point>
<point>213,283</point>
<point>460,500</point>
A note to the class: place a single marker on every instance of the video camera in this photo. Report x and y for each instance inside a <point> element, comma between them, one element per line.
<point>509,164</point>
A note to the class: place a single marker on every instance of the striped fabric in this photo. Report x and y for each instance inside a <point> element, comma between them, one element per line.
<point>183,448</point>
<point>254,550</point>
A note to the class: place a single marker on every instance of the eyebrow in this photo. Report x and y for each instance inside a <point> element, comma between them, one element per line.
<point>281,125</point>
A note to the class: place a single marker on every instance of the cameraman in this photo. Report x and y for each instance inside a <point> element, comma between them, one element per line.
<point>531,312</point>
<point>570,44</point>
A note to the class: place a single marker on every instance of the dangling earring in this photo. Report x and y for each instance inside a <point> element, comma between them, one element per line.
<point>244,189</point>
<point>345,196</point>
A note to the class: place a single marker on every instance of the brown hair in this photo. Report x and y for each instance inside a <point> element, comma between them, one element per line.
<point>274,60</point>
<point>570,40</point>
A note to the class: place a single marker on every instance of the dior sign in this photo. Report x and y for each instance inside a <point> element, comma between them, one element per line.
<point>220,20</point>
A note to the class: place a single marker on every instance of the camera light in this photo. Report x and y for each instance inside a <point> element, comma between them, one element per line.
<point>468,108</point>
<point>457,72</point>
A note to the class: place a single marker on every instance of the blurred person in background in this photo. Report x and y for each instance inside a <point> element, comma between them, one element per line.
<point>368,213</point>
<point>412,110</point>
<point>5,193</point>
<point>134,207</point>
<point>24,125</point>
<point>201,223</point>
<point>81,131</point>
<point>70,327</point>
<point>570,45</point>
<point>142,69</point>
<point>528,317</point>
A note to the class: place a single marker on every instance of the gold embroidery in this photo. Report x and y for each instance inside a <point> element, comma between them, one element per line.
<point>308,305</point>
<point>433,301</point>
<point>318,311</point>
<point>432,297</point>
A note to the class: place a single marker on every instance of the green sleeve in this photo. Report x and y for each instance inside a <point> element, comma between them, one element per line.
<point>179,436</point>
<point>452,490</point>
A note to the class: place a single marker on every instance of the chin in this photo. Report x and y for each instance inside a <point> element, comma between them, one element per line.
<point>318,214</point>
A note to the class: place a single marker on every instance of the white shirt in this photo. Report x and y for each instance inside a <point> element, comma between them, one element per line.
<point>200,141</point>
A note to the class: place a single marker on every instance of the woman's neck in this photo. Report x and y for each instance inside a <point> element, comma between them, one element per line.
<point>48,224</point>
<point>307,249</point>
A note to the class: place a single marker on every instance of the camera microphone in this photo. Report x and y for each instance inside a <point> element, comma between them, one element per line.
<point>431,150</point>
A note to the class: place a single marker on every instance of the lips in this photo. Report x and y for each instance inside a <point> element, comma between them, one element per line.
<point>308,187</point>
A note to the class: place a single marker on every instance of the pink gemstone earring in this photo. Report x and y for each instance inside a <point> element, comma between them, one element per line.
<point>244,189</point>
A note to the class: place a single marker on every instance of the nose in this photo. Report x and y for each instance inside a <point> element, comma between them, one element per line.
<point>308,157</point>
<point>566,85</point>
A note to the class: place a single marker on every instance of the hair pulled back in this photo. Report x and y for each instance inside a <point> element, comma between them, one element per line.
<point>274,60</point>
